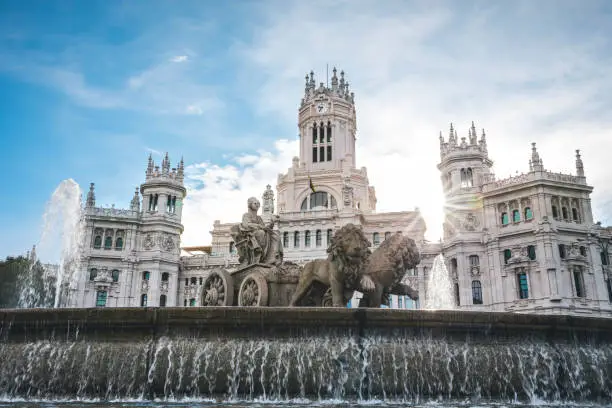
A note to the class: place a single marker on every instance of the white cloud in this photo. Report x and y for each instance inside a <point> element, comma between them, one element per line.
<point>221,192</point>
<point>414,70</point>
<point>179,58</point>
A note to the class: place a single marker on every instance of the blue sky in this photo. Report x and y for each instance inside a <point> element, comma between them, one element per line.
<point>90,88</point>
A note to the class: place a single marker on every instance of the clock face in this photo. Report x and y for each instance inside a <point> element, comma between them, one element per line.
<point>321,107</point>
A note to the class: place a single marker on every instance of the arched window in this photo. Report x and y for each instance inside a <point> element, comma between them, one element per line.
<point>531,252</point>
<point>375,238</point>
<point>314,133</point>
<point>115,275</point>
<point>583,251</point>
<point>528,213</point>
<point>162,301</point>
<point>470,178</point>
<point>98,241</point>
<point>306,239</point>
<point>507,255</point>
<point>232,247</point>
<point>318,238</point>
<point>108,242</point>
<point>93,272</point>
<point>575,215</point>
<point>329,236</point>
<point>504,218</point>
<point>165,277</point>
<point>318,199</point>
<point>466,178</point>
<point>194,281</point>
<point>101,298</point>
<point>321,133</point>
<point>565,213</point>
<point>296,239</point>
<point>119,243</point>
<point>329,132</point>
<point>146,275</point>
<point>555,212</point>
<point>516,216</point>
<point>476,292</point>
<point>143,299</point>
<point>285,239</point>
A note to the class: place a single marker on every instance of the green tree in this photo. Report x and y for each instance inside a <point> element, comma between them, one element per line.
<point>25,284</point>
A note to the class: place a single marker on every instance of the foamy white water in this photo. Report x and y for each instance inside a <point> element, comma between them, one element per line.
<point>62,234</point>
<point>439,287</point>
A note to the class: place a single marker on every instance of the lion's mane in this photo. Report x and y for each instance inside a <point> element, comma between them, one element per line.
<point>350,247</point>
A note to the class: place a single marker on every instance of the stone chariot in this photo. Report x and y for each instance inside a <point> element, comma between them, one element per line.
<point>264,279</point>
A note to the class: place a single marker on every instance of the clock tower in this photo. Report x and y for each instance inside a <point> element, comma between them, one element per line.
<point>327,125</point>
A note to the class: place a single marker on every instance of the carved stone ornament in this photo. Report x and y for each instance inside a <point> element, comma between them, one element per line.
<point>149,242</point>
<point>475,271</point>
<point>471,222</point>
<point>167,243</point>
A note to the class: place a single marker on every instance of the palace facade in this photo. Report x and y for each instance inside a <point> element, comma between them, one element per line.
<point>527,243</point>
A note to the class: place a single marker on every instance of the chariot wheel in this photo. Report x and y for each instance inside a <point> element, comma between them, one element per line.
<point>253,290</point>
<point>218,289</point>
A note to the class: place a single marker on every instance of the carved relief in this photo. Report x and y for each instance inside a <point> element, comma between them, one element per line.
<point>471,222</point>
<point>149,241</point>
<point>347,193</point>
<point>167,243</point>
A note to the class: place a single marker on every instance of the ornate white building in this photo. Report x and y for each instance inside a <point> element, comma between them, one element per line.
<point>527,243</point>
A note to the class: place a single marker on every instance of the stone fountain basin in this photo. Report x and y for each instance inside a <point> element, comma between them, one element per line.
<point>315,353</point>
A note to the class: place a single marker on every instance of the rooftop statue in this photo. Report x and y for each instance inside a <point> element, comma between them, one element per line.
<point>256,241</point>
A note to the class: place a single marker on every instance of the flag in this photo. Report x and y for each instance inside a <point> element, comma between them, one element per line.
<point>311,185</point>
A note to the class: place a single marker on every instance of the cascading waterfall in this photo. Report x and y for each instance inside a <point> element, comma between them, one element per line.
<point>62,235</point>
<point>334,367</point>
<point>439,293</point>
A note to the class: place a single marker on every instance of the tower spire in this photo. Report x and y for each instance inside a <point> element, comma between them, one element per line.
<point>91,197</point>
<point>135,203</point>
<point>536,161</point>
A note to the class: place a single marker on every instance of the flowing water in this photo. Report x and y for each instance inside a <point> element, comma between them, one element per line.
<point>62,238</point>
<point>439,294</point>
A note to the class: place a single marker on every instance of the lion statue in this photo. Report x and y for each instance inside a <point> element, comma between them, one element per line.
<point>385,269</point>
<point>341,271</point>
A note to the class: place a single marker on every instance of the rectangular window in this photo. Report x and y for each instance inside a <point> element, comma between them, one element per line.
<point>400,303</point>
<point>314,154</point>
<point>457,299</point>
<point>101,298</point>
<point>476,292</point>
<point>322,153</point>
<point>562,251</point>
<point>579,282</point>
<point>169,204</point>
<point>329,133</point>
<point>329,236</point>
<point>507,255</point>
<point>604,258</point>
<point>523,286</point>
<point>329,156</point>
<point>531,252</point>
<point>192,302</point>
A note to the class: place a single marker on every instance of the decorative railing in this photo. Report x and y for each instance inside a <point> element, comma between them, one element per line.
<point>113,212</point>
<point>294,215</point>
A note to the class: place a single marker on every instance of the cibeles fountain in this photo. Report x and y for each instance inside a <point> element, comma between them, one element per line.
<point>307,346</point>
